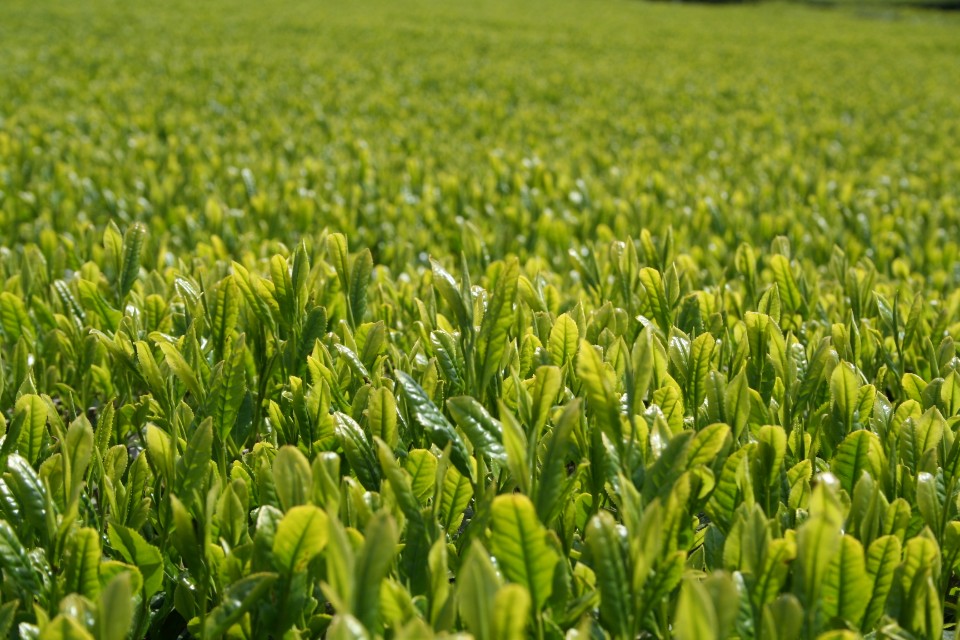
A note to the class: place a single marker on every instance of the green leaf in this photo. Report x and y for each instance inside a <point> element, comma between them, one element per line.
<point>345,627</point>
<point>736,403</point>
<point>233,512</point>
<point>670,464</point>
<point>778,556</point>
<point>701,356</point>
<point>292,477</point>
<point>14,319</point>
<point>92,300</point>
<point>132,248</point>
<point>450,359</point>
<point>642,367</point>
<point>553,481</point>
<point>844,389</point>
<point>374,561</point>
<point>706,444</point>
<point>483,430</point>
<point>436,426</point>
<point>770,303</point>
<point>438,594</point>
<point>104,428</point>
<point>511,608</point>
<point>771,450</point>
<point>301,535</point>
<point>860,451</point>
<point>783,618</point>
<point>818,540</point>
<point>447,287</point>
<point>30,492</point>
<point>563,340</point>
<point>602,400</point>
<point>195,463</point>
<point>115,610</point>
<point>520,544</point>
<point>728,493</point>
<point>135,550</point>
<point>497,319</point>
<point>340,569</point>
<point>847,586</point>
<point>359,281</point>
<point>402,489</point>
<point>696,618</point>
<point>76,456</point>
<point>749,545</point>
<point>30,422</point>
<point>8,612</point>
<point>226,313</point>
<point>359,453</point>
<point>396,605</point>
<point>353,361</point>
<point>313,329</point>
<point>610,566</point>
<point>258,297</point>
<point>81,565</point>
<point>477,585</point>
<point>422,467</point>
<point>548,381</point>
<point>950,394</point>
<point>920,554</point>
<point>515,444</point>
<point>923,613</point>
<point>373,337</point>
<point>670,402</point>
<point>148,368</point>
<point>64,628</point>
<point>228,387</point>
<point>161,454</point>
<point>454,499</point>
<point>282,286</point>
<point>240,597</point>
<point>929,430</point>
<point>928,501</point>
<point>14,560</point>
<point>787,286</point>
<point>183,371</point>
<point>382,415</point>
<point>913,386</point>
<point>339,258</point>
<point>656,297</point>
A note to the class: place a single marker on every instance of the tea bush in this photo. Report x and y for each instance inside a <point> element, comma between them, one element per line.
<point>403,320</point>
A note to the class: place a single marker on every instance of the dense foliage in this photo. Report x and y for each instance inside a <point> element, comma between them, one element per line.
<point>554,320</point>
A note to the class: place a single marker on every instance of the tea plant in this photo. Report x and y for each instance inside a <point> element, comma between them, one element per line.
<point>276,361</point>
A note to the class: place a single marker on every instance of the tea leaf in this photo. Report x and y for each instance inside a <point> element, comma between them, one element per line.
<point>301,535</point>
<point>520,545</point>
<point>135,550</point>
<point>434,424</point>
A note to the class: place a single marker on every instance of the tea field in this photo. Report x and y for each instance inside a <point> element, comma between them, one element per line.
<point>494,320</point>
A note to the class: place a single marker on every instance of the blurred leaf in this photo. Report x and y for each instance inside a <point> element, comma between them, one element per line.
<point>115,610</point>
<point>133,241</point>
<point>511,608</point>
<point>240,598</point>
